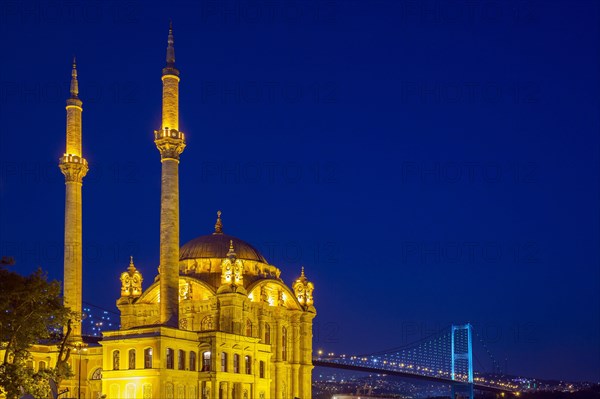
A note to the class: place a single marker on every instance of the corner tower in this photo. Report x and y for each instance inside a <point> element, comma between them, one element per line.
<point>74,166</point>
<point>170,143</point>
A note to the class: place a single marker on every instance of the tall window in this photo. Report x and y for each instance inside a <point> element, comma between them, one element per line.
<point>116,360</point>
<point>284,343</point>
<point>248,364</point>
<point>147,391</point>
<point>192,361</point>
<point>148,358</point>
<point>131,359</point>
<point>261,369</point>
<point>267,333</point>
<point>206,361</point>
<point>181,360</point>
<point>236,363</point>
<point>223,361</point>
<point>248,328</point>
<point>42,366</point>
<point>170,358</point>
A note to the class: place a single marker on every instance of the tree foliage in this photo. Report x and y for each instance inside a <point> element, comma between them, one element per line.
<point>31,312</point>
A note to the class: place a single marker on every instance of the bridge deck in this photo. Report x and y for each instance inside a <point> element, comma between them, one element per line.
<point>329,364</point>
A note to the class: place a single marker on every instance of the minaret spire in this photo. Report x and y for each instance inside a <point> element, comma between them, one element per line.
<point>74,83</point>
<point>170,47</point>
<point>170,78</point>
<point>74,166</point>
<point>170,143</point>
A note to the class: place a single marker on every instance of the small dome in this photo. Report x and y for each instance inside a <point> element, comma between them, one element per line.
<point>217,246</point>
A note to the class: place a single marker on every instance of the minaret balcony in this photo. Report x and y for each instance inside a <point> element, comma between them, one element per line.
<point>73,167</point>
<point>70,158</point>
<point>168,133</point>
<point>170,143</point>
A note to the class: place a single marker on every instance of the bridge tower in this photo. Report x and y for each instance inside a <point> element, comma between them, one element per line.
<point>461,354</point>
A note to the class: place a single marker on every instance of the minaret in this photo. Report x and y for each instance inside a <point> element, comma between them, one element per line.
<point>74,166</point>
<point>170,143</point>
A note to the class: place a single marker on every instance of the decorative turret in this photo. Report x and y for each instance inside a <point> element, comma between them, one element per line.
<point>74,167</point>
<point>170,143</point>
<point>303,289</point>
<point>232,273</point>
<point>231,255</point>
<point>232,269</point>
<point>131,282</point>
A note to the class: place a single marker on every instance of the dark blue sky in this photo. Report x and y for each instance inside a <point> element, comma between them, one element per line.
<point>427,162</point>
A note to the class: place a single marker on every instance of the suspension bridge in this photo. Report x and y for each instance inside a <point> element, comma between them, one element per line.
<point>445,357</point>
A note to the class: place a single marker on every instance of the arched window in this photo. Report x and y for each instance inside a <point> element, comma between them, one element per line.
<point>206,361</point>
<point>284,343</point>
<point>207,323</point>
<point>148,358</point>
<point>131,359</point>
<point>181,360</point>
<point>267,333</point>
<point>130,391</point>
<point>236,363</point>
<point>192,361</point>
<point>42,365</point>
<point>97,374</point>
<point>30,364</point>
<point>248,328</point>
<point>261,369</point>
<point>116,360</point>
<point>224,361</point>
<point>170,358</point>
<point>248,364</point>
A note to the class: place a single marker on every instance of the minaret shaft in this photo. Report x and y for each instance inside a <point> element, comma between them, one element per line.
<point>170,102</point>
<point>74,167</point>
<point>170,143</point>
<point>169,243</point>
<point>73,253</point>
<point>74,130</point>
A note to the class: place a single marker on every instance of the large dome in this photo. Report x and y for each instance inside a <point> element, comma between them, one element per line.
<point>217,246</point>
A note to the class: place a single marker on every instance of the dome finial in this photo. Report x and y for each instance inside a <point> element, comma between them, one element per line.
<point>219,224</point>
<point>131,265</point>
<point>302,277</point>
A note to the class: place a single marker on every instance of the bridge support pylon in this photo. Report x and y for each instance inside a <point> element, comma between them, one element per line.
<point>461,353</point>
<point>462,390</point>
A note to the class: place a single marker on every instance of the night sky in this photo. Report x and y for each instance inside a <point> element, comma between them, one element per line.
<point>427,163</point>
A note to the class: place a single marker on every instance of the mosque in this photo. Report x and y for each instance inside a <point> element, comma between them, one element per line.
<point>217,322</point>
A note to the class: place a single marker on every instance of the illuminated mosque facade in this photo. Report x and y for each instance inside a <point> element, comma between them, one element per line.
<point>217,322</point>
